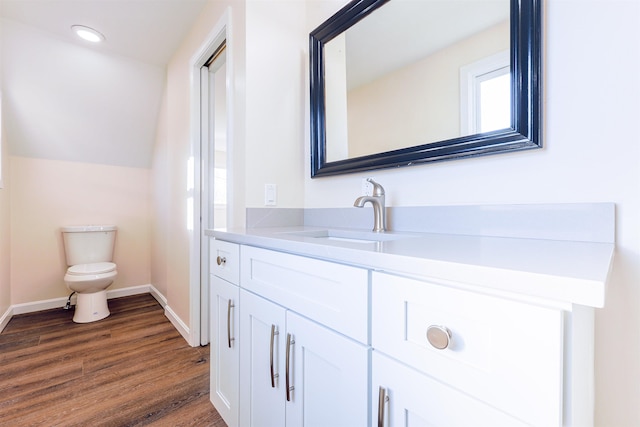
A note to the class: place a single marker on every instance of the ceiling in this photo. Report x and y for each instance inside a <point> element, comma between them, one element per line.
<point>147,30</point>
<point>70,100</point>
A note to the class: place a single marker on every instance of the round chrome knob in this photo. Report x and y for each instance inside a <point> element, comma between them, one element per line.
<point>221,260</point>
<point>439,336</point>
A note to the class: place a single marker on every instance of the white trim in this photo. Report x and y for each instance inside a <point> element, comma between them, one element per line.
<point>180,326</point>
<point>162,300</point>
<point>136,290</point>
<point>32,307</point>
<point>6,317</point>
<point>220,32</point>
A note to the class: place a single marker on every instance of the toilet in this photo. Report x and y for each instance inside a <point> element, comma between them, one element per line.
<point>89,252</point>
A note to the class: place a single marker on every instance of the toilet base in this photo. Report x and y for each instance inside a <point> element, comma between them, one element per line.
<point>91,307</point>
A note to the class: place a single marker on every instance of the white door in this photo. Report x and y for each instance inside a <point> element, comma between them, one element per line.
<point>213,157</point>
<point>328,376</point>
<point>224,348</point>
<point>262,392</point>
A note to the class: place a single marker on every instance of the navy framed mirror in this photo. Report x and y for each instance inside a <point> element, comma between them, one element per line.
<point>402,82</point>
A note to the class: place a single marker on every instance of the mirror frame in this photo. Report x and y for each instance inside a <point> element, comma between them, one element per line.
<point>526,97</point>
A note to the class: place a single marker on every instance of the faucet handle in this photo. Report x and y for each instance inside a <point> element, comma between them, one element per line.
<point>378,190</point>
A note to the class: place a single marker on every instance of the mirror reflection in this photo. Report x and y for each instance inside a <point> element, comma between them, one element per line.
<point>416,72</point>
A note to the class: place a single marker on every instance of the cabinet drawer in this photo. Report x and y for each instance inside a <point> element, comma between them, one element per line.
<point>224,260</point>
<point>503,352</point>
<point>410,399</point>
<point>332,294</point>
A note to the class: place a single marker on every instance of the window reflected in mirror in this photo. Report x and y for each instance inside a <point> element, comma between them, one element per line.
<point>485,95</point>
<point>494,107</point>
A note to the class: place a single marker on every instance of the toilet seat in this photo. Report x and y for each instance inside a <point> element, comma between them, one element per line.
<point>93,268</point>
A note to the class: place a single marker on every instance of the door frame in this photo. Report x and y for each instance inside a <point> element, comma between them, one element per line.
<point>198,244</point>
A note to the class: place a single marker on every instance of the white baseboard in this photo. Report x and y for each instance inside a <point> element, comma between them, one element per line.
<point>127,292</point>
<point>162,300</point>
<point>4,320</point>
<point>178,324</point>
<point>31,307</point>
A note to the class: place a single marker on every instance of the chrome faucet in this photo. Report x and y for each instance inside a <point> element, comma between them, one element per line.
<point>377,201</point>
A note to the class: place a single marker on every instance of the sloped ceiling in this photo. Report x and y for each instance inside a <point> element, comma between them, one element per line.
<point>66,99</point>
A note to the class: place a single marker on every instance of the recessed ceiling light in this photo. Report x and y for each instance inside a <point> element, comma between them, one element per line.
<point>87,33</point>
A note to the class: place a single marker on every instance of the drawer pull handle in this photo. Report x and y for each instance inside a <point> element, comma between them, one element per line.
<point>229,307</point>
<point>274,375</point>
<point>439,336</point>
<point>289,388</point>
<point>382,400</point>
<point>221,260</point>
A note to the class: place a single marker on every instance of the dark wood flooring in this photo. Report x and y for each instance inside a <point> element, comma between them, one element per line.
<point>130,369</point>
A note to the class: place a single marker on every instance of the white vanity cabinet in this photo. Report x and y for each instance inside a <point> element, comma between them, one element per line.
<point>289,345</point>
<point>475,332</point>
<point>224,325</point>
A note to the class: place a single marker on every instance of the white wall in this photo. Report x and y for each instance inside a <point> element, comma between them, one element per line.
<point>48,194</point>
<point>591,154</point>
<point>276,100</point>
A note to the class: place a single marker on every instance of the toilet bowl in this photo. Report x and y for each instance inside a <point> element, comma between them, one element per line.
<point>89,251</point>
<point>89,282</point>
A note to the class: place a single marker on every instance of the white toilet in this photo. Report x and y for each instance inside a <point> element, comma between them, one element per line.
<point>89,252</point>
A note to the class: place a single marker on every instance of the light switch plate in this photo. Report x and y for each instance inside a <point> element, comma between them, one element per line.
<point>270,195</point>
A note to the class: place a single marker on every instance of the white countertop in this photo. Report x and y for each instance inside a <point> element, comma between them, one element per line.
<point>561,271</point>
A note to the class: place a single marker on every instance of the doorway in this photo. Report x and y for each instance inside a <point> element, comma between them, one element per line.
<point>211,140</point>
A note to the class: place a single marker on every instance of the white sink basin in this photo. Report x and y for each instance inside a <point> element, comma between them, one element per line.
<point>351,236</point>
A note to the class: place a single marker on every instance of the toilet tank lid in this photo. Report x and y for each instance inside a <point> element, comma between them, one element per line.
<point>85,228</point>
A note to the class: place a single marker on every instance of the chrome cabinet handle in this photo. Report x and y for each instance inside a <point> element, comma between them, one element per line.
<point>221,260</point>
<point>290,342</point>
<point>229,307</point>
<point>382,400</point>
<point>274,332</point>
<point>439,336</point>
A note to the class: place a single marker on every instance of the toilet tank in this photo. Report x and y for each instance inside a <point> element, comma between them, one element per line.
<point>85,244</point>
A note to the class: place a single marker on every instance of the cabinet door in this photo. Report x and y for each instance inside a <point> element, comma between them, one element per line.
<point>225,357</point>
<point>262,392</point>
<point>328,377</point>
<point>403,397</point>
